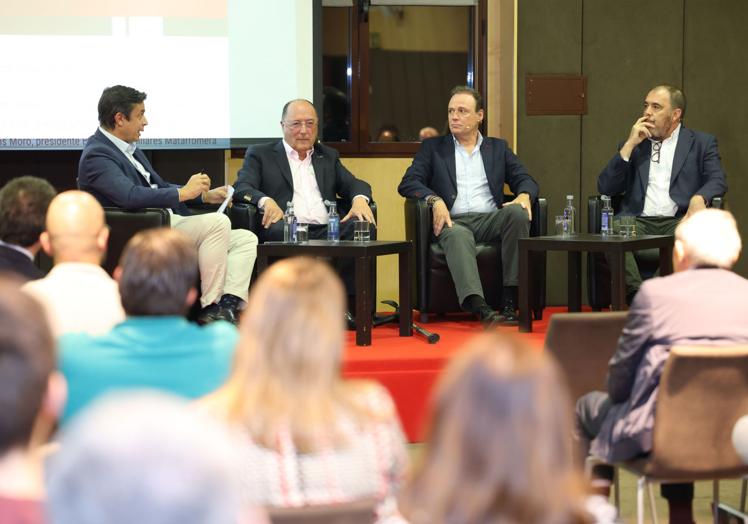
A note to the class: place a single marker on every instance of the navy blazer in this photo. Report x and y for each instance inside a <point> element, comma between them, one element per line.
<point>267,173</point>
<point>697,170</point>
<point>106,173</point>
<point>13,261</point>
<point>433,171</point>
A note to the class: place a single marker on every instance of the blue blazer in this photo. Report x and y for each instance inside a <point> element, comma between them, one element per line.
<point>433,171</point>
<point>267,173</point>
<point>697,170</point>
<point>106,173</point>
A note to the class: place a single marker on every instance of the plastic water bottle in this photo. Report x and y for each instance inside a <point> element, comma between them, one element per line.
<point>333,223</point>
<point>570,216</point>
<point>289,224</point>
<point>606,217</point>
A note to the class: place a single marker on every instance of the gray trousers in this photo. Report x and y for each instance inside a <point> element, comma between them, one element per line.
<point>507,224</point>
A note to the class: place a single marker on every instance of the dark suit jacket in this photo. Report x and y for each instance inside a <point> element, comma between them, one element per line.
<point>693,307</point>
<point>433,171</point>
<point>18,263</point>
<point>106,173</point>
<point>266,172</point>
<point>696,171</point>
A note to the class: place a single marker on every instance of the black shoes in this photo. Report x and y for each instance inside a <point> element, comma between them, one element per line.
<point>229,308</point>
<point>488,317</point>
<point>509,312</point>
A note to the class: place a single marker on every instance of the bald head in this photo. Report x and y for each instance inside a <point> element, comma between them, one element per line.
<point>76,229</point>
<point>707,238</point>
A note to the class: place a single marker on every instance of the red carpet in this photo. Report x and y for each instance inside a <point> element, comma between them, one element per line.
<point>409,366</point>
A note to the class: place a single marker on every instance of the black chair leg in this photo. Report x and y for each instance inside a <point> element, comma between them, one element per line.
<point>537,314</point>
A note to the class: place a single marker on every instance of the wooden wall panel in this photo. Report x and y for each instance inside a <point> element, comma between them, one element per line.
<point>549,42</point>
<point>716,84</point>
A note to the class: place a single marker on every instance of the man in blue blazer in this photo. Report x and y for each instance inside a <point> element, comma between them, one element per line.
<point>662,171</point>
<point>119,175</point>
<point>462,177</point>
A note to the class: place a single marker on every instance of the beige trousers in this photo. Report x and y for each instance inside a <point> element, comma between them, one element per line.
<point>226,256</point>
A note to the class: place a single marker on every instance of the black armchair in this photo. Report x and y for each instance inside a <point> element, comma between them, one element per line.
<point>598,272</point>
<point>124,224</point>
<point>433,289</point>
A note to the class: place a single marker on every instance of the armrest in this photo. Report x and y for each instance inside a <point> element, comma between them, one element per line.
<point>539,224</point>
<point>201,209</point>
<point>124,224</point>
<point>244,216</point>
<point>718,202</point>
<point>594,205</point>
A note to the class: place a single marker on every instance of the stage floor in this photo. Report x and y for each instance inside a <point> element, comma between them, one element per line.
<point>409,366</point>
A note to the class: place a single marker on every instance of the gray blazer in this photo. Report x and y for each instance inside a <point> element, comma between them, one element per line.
<point>706,306</point>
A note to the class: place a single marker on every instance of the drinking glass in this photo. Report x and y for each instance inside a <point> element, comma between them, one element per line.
<point>302,233</point>
<point>361,231</point>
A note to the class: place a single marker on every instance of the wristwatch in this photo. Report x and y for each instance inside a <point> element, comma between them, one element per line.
<point>432,199</point>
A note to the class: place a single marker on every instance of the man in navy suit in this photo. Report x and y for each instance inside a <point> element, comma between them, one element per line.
<point>23,208</point>
<point>462,177</point>
<point>118,174</point>
<point>662,171</point>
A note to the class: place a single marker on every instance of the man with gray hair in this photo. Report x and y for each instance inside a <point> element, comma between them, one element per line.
<point>703,303</point>
<point>147,458</point>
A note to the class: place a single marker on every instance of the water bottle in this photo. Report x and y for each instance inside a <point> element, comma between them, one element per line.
<point>606,217</point>
<point>289,224</point>
<point>570,216</point>
<point>333,223</point>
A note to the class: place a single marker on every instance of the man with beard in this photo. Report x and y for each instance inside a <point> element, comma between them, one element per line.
<point>662,172</point>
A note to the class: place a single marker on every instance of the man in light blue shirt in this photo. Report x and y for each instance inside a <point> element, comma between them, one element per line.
<point>155,347</point>
<point>462,177</point>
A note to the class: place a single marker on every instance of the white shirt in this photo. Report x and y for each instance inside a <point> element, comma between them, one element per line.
<point>308,204</point>
<point>473,193</point>
<point>657,201</point>
<point>78,297</point>
<point>129,149</point>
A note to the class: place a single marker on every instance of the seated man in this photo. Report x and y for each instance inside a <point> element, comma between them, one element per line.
<point>155,347</point>
<point>662,171</point>
<point>702,303</point>
<point>31,396</point>
<point>23,206</point>
<point>462,177</point>
<point>298,169</point>
<point>77,294</point>
<point>118,174</point>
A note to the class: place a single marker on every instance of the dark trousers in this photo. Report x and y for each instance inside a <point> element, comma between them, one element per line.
<point>508,224</point>
<point>591,411</point>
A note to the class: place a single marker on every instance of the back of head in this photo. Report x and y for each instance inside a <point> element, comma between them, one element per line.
<point>76,230</point>
<point>500,443</point>
<point>147,458</point>
<point>708,238</point>
<point>27,358</point>
<point>23,208</point>
<point>157,269</point>
<point>287,369</point>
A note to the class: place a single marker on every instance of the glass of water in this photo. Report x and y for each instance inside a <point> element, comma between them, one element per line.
<point>562,226</point>
<point>302,233</point>
<point>628,226</point>
<point>361,231</point>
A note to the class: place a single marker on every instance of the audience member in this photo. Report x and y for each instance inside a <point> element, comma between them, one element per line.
<point>146,458</point>
<point>23,206</point>
<point>155,347</point>
<point>702,303</point>
<point>31,397</point>
<point>77,294</point>
<point>500,447</point>
<point>462,176</point>
<point>311,437</point>
<point>388,133</point>
<point>118,174</point>
<point>427,132</point>
<point>662,171</point>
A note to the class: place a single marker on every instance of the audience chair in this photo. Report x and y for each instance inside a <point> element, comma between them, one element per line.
<point>598,273</point>
<point>582,344</point>
<point>703,391</point>
<point>357,512</point>
<point>433,291</point>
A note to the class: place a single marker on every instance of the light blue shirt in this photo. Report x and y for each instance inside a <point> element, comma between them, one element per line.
<point>473,193</point>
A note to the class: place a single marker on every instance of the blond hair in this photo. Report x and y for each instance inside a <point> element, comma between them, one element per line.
<point>500,447</point>
<point>287,370</point>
